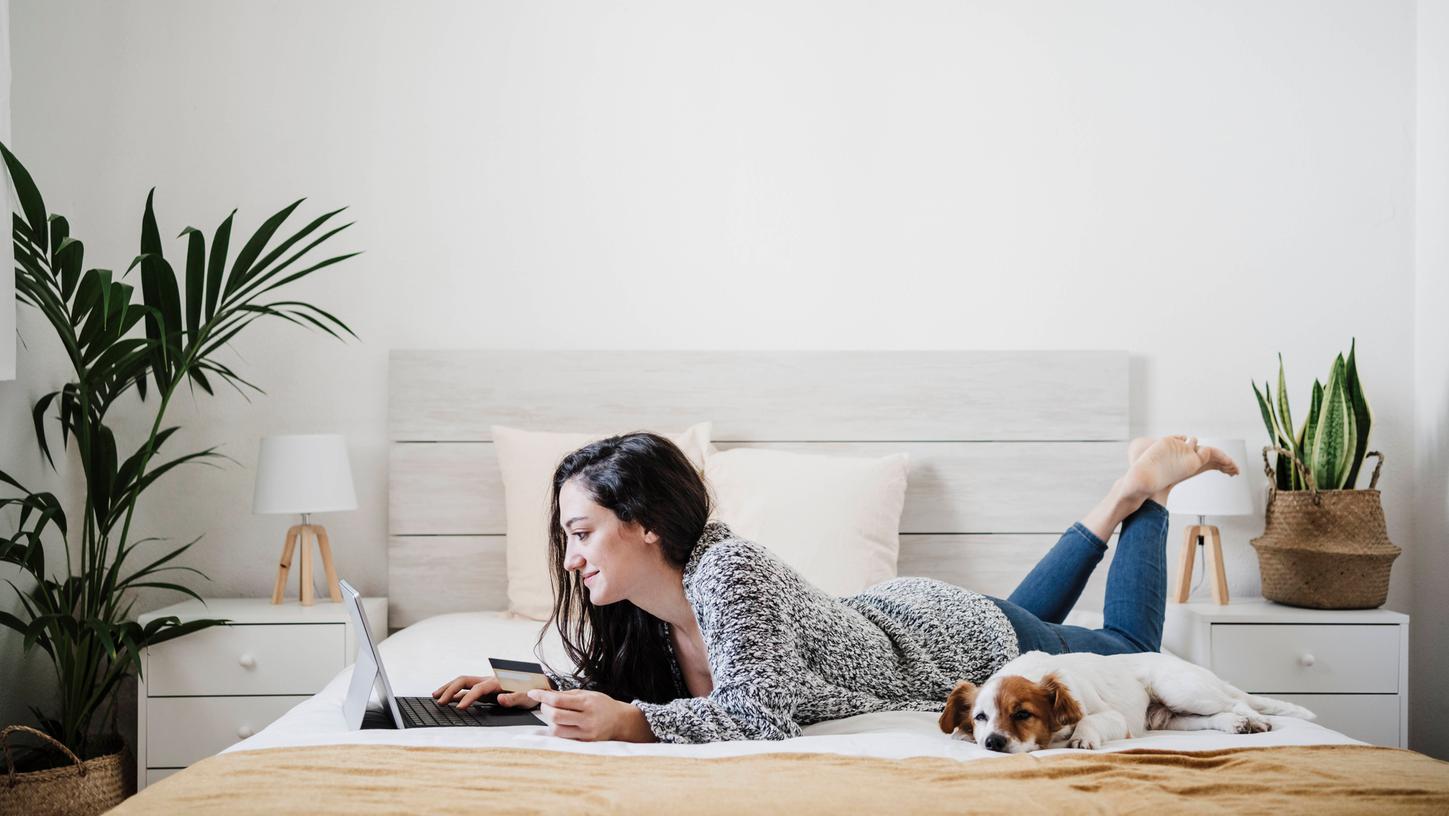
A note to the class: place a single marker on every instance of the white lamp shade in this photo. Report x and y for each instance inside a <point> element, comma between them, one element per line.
<point>303,473</point>
<point>1215,493</point>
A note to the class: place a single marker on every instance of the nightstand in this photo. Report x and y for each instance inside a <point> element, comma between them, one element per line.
<point>1348,666</point>
<point>205,691</point>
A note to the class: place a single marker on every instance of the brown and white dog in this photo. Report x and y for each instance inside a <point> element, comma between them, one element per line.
<point>1082,700</point>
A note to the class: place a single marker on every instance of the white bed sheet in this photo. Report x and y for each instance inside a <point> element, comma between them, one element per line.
<point>423,656</point>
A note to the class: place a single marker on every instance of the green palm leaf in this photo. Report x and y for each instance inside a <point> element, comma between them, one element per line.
<point>242,267</point>
<point>216,265</point>
<point>265,274</point>
<point>69,257</point>
<point>159,291</point>
<point>30,201</point>
<point>195,278</point>
<point>38,415</point>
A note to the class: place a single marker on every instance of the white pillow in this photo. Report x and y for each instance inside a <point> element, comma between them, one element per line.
<point>527,460</point>
<point>835,519</point>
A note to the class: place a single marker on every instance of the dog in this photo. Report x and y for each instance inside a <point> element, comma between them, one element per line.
<point>1082,700</point>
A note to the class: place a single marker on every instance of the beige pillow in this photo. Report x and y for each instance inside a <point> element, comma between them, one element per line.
<point>527,460</point>
<point>835,519</point>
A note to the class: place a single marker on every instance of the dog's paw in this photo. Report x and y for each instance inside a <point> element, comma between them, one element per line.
<point>1158,716</point>
<point>1242,723</point>
<point>1251,725</point>
<point>1085,737</point>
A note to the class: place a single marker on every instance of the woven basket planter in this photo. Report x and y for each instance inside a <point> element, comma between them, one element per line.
<point>1325,549</point>
<point>84,787</point>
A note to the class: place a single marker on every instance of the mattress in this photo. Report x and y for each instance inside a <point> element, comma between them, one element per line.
<point>425,655</point>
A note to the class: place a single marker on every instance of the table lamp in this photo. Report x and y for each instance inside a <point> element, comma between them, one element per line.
<point>1210,494</point>
<point>304,474</point>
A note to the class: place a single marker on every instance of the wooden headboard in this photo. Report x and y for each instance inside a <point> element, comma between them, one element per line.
<point>1007,448</point>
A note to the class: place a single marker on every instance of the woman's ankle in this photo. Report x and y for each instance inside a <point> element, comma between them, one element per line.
<point>1119,503</point>
<point>1129,494</point>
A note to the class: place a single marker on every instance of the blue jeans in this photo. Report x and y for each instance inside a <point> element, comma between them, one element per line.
<point>1136,597</point>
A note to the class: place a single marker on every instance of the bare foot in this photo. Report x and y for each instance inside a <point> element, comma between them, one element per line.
<point>1139,444</point>
<point>1169,460</point>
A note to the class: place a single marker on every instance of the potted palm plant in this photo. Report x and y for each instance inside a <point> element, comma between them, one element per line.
<point>1324,544</point>
<point>77,611</point>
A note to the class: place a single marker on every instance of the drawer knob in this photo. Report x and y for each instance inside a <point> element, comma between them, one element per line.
<point>1306,659</point>
<point>248,662</point>
<point>244,732</point>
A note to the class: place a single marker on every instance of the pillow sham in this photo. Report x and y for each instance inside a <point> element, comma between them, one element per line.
<point>835,519</point>
<point>527,460</point>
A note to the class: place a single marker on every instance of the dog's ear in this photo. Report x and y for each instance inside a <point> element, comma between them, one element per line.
<point>958,708</point>
<point>1064,708</point>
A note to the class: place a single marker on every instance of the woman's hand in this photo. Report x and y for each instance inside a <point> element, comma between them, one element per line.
<point>466,690</point>
<point>591,716</point>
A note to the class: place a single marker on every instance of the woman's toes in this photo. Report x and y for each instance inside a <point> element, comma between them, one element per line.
<point>1215,459</point>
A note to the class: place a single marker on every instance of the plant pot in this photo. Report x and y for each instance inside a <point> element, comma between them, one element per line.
<point>83,787</point>
<point>1325,549</point>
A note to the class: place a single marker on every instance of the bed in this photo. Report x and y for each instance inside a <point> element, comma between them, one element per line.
<point>1007,448</point>
<point>423,654</point>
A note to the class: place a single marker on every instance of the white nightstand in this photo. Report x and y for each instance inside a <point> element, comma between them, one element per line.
<point>202,692</point>
<point>1350,666</point>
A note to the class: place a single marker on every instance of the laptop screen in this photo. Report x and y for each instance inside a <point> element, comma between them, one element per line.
<point>368,671</point>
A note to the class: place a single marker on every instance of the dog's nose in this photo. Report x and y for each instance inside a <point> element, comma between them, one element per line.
<point>995,742</point>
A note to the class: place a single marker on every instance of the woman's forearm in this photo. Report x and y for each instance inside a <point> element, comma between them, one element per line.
<point>636,727</point>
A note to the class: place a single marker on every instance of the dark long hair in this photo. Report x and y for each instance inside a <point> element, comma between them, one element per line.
<point>618,648</point>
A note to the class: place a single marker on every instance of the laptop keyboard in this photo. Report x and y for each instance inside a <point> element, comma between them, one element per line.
<point>424,712</point>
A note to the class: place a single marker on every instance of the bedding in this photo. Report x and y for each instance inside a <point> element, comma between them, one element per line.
<point>423,656</point>
<point>354,779</point>
<point>834,519</point>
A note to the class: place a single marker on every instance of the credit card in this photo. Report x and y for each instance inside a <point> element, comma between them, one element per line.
<point>519,675</point>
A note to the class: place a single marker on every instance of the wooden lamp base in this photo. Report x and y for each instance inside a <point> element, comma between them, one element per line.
<point>298,534</point>
<point>1207,536</point>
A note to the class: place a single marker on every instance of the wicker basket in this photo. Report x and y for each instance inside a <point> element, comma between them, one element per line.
<point>1325,549</point>
<point>93,786</point>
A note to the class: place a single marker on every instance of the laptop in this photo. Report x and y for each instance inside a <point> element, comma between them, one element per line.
<point>407,712</point>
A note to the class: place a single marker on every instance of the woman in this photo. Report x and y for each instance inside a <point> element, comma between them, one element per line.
<point>683,632</point>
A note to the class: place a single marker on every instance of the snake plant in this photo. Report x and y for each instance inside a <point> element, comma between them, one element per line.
<point>1332,439</point>
<point>78,612</point>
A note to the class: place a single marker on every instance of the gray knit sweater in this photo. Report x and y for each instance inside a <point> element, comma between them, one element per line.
<point>784,654</point>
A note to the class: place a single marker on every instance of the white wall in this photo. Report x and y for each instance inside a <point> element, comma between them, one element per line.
<point>7,250</point>
<point>1430,631</point>
<point>1203,184</point>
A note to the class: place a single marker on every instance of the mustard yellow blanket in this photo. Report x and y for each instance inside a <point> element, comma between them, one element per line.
<point>358,779</point>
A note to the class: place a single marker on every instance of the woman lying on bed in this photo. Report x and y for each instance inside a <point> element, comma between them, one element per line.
<point>683,632</point>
